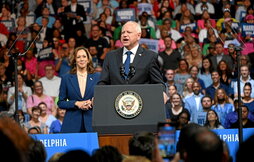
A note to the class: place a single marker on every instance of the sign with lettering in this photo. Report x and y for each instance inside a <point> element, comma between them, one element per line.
<point>230,136</point>
<point>9,24</point>
<point>152,44</point>
<point>145,7</point>
<point>193,26</point>
<point>247,29</point>
<point>125,15</point>
<point>87,4</point>
<point>54,143</point>
<point>45,54</point>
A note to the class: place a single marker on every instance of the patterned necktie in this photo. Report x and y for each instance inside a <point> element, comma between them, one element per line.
<point>127,63</point>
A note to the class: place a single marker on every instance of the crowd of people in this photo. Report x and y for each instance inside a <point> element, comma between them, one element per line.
<point>197,44</point>
<point>195,144</point>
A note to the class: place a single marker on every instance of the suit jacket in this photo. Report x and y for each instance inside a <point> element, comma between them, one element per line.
<point>80,11</point>
<point>145,63</point>
<point>227,58</point>
<point>69,94</point>
<point>190,104</point>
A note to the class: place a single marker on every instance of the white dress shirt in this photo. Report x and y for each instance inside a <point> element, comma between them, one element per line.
<point>133,50</point>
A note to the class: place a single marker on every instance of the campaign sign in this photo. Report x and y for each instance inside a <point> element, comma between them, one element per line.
<point>55,143</point>
<point>125,15</point>
<point>45,54</point>
<point>193,26</point>
<point>151,43</point>
<point>145,7</point>
<point>87,5</point>
<point>230,136</point>
<point>9,24</point>
<point>247,29</point>
<point>234,25</point>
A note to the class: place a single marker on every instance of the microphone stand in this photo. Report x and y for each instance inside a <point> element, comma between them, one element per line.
<point>238,50</point>
<point>240,128</point>
<point>14,57</point>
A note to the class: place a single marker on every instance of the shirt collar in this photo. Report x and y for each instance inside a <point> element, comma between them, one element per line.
<point>133,50</point>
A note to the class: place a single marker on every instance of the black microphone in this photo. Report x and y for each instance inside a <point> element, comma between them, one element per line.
<point>122,71</point>
<point>132,71</point>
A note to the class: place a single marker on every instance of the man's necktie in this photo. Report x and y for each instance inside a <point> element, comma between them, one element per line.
<point>127,63</point>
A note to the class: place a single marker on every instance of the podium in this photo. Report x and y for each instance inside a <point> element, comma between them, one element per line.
<point>113,118</point>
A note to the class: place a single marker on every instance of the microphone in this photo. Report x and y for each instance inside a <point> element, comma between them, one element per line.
<point>132,71</point>
<point>122,71</point>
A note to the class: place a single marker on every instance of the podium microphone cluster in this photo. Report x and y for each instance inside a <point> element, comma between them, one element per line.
<point>130,74</point>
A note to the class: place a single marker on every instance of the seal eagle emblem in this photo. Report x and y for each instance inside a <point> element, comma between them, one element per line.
<point>128,104</point>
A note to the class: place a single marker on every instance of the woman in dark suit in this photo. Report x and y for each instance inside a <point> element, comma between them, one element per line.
<point>76,93</point>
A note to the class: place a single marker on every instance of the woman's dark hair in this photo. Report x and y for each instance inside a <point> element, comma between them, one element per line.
<point>217,122</point>
<point>184,111</point>
<point>42,103</point>
<point>90,68</point>
<point>202,70</point>
<point>194,66</point>
<point>228,70</point>
<point>38,129</point>
<point>247,84</point>
<point>185,62</point>
<point>35,108</point>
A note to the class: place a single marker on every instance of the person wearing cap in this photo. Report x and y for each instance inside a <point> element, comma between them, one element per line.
<point>226,17</point>
<point>249,19</point>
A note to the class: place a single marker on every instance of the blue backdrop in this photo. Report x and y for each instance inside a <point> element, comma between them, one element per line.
<point>89,141</point>
<point>230,136</point>
<point>64,142</point>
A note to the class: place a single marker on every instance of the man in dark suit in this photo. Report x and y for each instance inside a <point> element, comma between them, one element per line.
<point>220,56</point>
<point>131,64</point>
<point>46,33</point>
<point>75,15</point>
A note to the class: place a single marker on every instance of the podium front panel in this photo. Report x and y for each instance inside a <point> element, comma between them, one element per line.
<point>106,120</point>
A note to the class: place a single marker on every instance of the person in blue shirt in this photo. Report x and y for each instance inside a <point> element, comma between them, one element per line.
<point>247,99</point>
<point>56,125</point>
<point>222,105</point>
<point>216,85</point>
<point>232,117</point>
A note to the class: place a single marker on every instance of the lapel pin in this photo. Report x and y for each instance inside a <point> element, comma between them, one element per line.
<point>91,78</point>
<point>140,54</point>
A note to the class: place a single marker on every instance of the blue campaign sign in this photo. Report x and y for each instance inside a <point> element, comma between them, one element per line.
<point>193,26</point>
<point>87,4</point>
<point>247,29</point>
<point>145,7</point>
<point>151,43</point>
<point>125,15</point>
<point>230,136</point>
<point>55,143</point>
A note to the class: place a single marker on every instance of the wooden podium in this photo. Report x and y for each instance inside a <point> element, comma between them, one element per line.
<point>120,141</point>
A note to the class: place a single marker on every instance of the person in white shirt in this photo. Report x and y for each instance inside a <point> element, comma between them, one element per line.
<point>51,83</point>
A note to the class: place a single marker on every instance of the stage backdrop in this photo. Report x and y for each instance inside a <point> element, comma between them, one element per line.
<point>64,142</point>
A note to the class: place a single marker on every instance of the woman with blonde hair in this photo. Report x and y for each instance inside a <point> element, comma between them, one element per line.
<point>77,92</point>
<point>187,90</point>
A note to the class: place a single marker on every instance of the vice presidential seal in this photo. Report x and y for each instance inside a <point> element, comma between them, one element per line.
<point>128,104</point>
